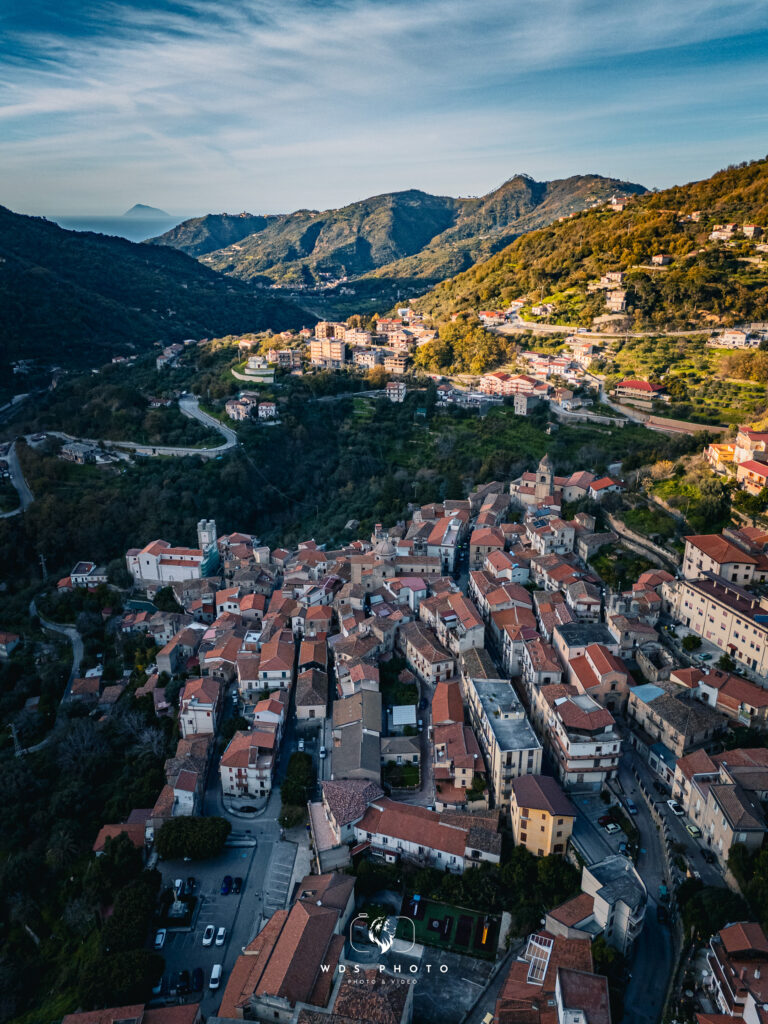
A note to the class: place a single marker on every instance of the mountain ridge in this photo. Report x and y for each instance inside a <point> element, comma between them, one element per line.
<point>372,237</point>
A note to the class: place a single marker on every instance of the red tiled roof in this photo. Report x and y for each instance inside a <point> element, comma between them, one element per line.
<point>134,832</point>
<point>447,705</point>
<point>720,550</point>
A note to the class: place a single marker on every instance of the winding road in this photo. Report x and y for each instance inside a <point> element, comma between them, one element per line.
<point>17,479</point>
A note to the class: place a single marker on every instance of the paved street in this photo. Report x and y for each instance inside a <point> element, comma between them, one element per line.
<point>17,479</point>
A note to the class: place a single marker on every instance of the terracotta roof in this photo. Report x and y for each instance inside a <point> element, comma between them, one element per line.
<point>696,763</point>
<point>759,468</point>
<point>204,689</point>
<point>747,936</point>
<point>413,824</point>
<point>582,990</point>
<point>134,832</point>
<point>116,1015</point>
<point>542,793</point>
<point>720,550</point>
<point>574,910</point>
<point>447,705</point>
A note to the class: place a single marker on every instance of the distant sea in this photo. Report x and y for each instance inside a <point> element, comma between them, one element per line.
<point>135,229</point>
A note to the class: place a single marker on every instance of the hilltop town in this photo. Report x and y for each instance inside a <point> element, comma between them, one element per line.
<point>439,700</point>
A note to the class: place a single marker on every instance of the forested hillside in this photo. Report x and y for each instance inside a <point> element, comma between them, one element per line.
<point>707,282</point>
<point>78,298</point>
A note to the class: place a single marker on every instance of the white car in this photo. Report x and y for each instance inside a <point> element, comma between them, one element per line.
<point>675,807</point>
<point>160,938</point>
<point>208,935</point>
<point>301,746</point>
<point>323,752</point>
<point>612,827</point>
<point>178,887</point>
<point>221,934</point>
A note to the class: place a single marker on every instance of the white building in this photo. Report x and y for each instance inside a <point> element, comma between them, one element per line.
<point>159,563</point>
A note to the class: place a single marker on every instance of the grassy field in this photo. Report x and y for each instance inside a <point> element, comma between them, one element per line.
<point>651,522</point>
<point>459,930</point>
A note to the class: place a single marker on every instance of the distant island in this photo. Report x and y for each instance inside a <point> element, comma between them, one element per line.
<point>140,210</point>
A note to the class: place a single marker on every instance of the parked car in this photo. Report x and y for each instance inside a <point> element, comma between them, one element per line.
<point>191,884</point>
<point>693,830</point>
<point>612,827</point>
<point>631,806</point>
<point>215,977</point>
<point>226,885</point>
<point>709,857</point>
<point>660,789</point>
<point>208,935</point>
<point>237,885</point>
<point>197,979</point>
<point>178,887</point>
<point>604,819</point>
<point>221,935</point>
<point>422,704</point>
<point>160,938</point>
<point>675,807</point>
<point>301,746</point>
<point>323,752</point>
<point>662,914</point>
<point>183,983</point>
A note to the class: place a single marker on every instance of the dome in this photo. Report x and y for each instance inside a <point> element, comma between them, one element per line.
<point>384,549</point>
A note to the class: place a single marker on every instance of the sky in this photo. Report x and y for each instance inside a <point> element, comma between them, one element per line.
<point>199,106</point>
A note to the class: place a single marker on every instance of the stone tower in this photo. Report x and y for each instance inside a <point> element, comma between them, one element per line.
<point>545,478</point>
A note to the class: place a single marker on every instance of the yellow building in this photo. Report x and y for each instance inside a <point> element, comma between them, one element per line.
<point>542,815</point>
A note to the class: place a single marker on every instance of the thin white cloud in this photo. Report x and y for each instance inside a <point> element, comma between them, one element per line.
<point>264,100</point>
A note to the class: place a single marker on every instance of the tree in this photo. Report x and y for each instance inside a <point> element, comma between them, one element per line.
<point>165,600</point>
<point>691,642</point>
<point>197,838</point>
<point>726,663</point>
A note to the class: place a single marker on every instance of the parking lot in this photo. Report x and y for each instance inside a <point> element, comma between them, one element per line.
<point>239,914</point>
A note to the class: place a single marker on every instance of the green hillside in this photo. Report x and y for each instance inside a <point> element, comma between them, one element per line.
<point>707,282</point>
<point>201,235</point>
<point>403,236</point>
<point>78,298</point>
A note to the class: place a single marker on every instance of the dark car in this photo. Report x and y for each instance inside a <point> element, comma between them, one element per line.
<point>197,979</point>
<point>662,914</point>
<point>191,884</point>
<point>226,885</point>
<point>422,703</point>
<point>606,819</point>
<point>709,857</point>
<point>237,885</point>
<point>182,985</point>
<point>659,788</point>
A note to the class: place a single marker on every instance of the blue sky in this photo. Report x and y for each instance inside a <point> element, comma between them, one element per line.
<point>270,105</point>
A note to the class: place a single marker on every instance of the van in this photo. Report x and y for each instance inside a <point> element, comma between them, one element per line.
<point>215,977</point>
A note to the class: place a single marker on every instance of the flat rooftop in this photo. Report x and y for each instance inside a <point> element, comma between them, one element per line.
<point>505,715</point>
